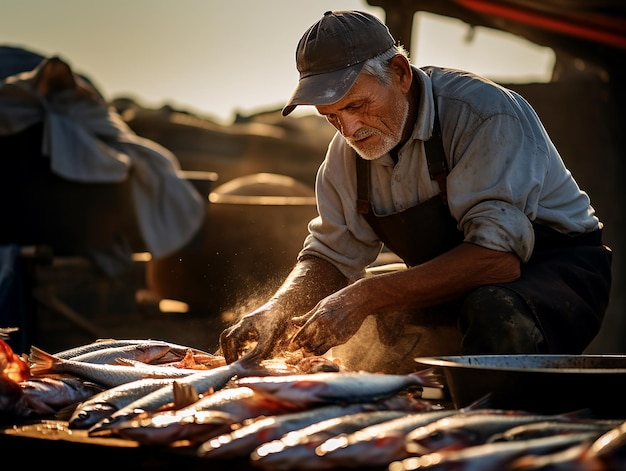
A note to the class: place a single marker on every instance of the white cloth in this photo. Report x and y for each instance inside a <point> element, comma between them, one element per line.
<point>504,173</point>
<point>87,141</point>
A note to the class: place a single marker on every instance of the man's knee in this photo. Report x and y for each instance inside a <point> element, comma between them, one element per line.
<point>497,320</point>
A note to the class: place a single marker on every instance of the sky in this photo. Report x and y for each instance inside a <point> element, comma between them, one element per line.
<point>219,57</point>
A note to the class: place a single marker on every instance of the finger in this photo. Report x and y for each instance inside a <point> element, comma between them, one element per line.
<point>300,320</point>
<point>228,345</point>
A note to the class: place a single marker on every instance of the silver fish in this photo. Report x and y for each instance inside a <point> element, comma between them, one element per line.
<point>99,344</point>
<point>463,430</point>
<point>296,449</point>
<point>46,395</point>
<point>544,428</point>
<point>376,445</point>
<point>209,416</point>
<point>105,375</point>
<point>202,381</point>
<point>316,388</point>
<point>496,456</point>
<point>104,404</point>
<point>243,440</point>
<point>145,353</point>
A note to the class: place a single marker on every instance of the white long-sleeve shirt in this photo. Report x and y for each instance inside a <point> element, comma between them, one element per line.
<point>504,173</point>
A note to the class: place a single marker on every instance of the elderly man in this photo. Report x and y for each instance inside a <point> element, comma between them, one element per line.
<point>458,177</point>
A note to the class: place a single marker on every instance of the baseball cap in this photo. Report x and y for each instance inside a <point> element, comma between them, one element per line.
<point>331,54</point>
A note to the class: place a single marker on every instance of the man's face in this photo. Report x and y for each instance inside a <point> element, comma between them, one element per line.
<point>371,117</point>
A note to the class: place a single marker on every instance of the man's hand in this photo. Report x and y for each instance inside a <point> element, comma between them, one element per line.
<point>263,327</point>
<point>333,321</point>
<point>309,281</point>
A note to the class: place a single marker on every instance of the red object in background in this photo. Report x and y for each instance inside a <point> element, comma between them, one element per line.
<point>11,365</point>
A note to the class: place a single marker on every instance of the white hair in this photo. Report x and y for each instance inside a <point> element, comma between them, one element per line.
<point>379,66</point>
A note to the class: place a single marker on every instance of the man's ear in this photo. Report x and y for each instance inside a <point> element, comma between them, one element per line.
<point>402,69</point>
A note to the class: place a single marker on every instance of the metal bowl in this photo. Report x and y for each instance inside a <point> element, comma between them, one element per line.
<point>537,383</point>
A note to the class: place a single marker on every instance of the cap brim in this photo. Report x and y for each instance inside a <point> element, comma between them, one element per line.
<point>323,89</point>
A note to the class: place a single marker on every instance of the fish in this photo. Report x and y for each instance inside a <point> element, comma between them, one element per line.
<point>103,404</point>
<point>337,387</point>
<point>12,403</point>
<point>105,375</point>
<point>243,440</point>
<point>608,451</point>
<point>463,430</point>
<point>209,416</point>
<point>47,395</point>
<point>99,344</point>
<point>296,449</point>
<point>496,456</point>
<point>544,428</point>
<point>376,445</point>
<point>202,381</point>
<point>145,353</point>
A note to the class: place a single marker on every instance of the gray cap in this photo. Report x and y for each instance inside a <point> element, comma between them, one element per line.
<point>331,54</point>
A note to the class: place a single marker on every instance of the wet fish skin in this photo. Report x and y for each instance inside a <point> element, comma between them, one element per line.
<point>201,380</point>
<point>46,395</point>
<point>336,387</point>
<point>497,456</point>
<point>211,415</point>
<point>105,375</point>
<point>296,449</point>
<point>244,440</point>
<point>379,444</point>
<point>463,430</point>
<point>104,404</point>
<point>146,353</point>
<point>544,428</point>
<point>99,344</point>
<point>192,428</point>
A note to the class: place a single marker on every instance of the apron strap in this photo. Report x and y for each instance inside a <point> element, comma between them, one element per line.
<point>435,158</point>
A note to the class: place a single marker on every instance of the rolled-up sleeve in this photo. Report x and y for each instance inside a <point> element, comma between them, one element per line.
<point>495,185</point>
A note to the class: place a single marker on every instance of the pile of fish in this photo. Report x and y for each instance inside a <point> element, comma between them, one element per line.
<point>296,413</point>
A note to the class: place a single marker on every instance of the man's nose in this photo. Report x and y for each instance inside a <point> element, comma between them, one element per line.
<point>349,125</point>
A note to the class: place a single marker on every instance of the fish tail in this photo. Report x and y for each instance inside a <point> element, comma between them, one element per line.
<point>41,362</point>
<point>429,378</point>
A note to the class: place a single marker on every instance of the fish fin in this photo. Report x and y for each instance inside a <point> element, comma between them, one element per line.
<point>184,394</point>
<point>577,414</point>
<point>429,377</point>
<point>41,362</point>
<point>484,402</point>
